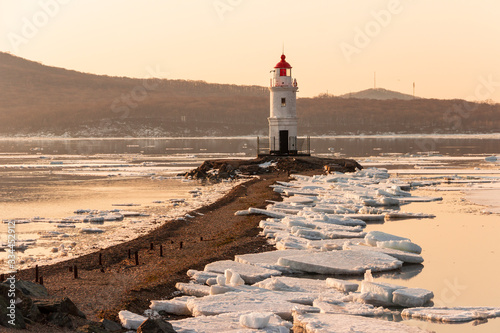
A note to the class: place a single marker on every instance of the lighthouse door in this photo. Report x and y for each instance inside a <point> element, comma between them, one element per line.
<point>283,142</point>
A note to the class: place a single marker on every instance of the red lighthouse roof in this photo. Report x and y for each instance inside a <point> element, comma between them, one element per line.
<point>283,63</point>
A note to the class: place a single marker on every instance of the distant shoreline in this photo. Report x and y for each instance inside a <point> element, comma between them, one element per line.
<point>253,137</point>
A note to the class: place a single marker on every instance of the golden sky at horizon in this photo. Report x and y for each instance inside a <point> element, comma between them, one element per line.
<point>449,48</point>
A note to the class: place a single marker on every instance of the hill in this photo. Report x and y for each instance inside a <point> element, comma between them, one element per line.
<point>378,93</point>
<point>42,100</point>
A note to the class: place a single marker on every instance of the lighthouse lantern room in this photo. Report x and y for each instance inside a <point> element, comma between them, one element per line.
<point>283,114</point>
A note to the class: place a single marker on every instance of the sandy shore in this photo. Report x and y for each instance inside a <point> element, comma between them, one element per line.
<point>214,234</point>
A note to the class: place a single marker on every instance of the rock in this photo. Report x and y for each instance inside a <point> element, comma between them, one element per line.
<point>4,311</point>
<point>92,328</point>
<point>155,326</point>
<point>31,289</point>
<point>25,309</point>
<point>63,305</point>
<point>60,319</point>
<point>110,326</point>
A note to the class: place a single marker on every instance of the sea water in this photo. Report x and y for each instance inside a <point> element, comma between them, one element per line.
<point>52,178</point>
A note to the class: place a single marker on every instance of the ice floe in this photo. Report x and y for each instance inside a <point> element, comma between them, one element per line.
<point>411,297</point>
<point>267,260</point>
<point>341,262</point>
<point>249,273</point>
<point>385,240</point>
<point>451,314</point>
<point>342,323</point>
<point>254,300</point>
<point>177,306</point>
<point>130,320</point>
<point>407,257</point>
<point>342,285</point>
<point>234,322</point>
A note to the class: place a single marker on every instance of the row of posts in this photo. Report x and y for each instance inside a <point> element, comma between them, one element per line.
<point>74,268</point>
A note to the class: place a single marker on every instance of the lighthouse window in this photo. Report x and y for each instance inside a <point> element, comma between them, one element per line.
<point>282,71</point>
<point>283,101</point>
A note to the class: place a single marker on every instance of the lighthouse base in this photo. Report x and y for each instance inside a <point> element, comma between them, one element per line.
<point>294,146</point>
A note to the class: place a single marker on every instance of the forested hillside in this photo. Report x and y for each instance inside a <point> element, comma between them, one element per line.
<point>41,100</point>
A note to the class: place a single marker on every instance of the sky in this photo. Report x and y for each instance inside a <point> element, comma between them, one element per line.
<point>448,48</point>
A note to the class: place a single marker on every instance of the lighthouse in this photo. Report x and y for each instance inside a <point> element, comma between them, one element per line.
<point>283,115</point>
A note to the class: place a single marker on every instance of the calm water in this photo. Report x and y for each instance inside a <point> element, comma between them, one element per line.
<point>360,146</point>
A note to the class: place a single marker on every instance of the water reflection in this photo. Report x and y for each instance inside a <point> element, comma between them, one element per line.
<point>344,146</point>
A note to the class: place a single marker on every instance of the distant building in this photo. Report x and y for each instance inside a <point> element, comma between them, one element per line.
<point>283,114</point>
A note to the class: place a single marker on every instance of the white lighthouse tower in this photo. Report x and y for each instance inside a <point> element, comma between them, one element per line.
<point>283,114</point>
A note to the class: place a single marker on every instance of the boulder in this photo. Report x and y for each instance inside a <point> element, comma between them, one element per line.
<point>60,319</point>
<point>110,326</point>
<point>63,305</point>
<point>155,326</point>
<point>31,288</point>
<point>92,328</point>
<point>4,311</point>
<point>25,308</point>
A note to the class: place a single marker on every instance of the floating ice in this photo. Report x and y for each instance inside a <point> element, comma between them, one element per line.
<point>65,225</point>
<point>200,276</point>
<point>385,240</point>
<point>404,215</point>
<point>267,259</point>
<point>402,245</point>
<point>341,285</point>
<point>332,244</point>
<point>91,231</point>
<point>233,278</point>
<point>254,300</point>
<point>312,234</point>
<point>266,212</point>
<point>228,322</point>
<point>359,309</point>
<point>249,273</point>
<point>341,323</point>
<point>377,293</point>
<point>378,236</point>
<point>381,202</point>
<point>177,306</point>
<point>255,319</point>
<point>289,242</point>
<point>341,262</point>
<point>407,257</point>
<point>312,288</point>
<point>412,297</point>
<point>193,289</point>
<point>451,314</point>
<point>131,320</point>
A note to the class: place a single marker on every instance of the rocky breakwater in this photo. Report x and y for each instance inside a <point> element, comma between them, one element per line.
<point>216,170</point>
